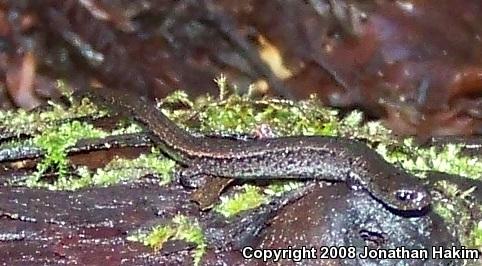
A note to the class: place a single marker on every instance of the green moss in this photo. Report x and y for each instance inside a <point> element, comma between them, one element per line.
<point>156,238</point>
<point>449,210</point>
<point>180,228</point>
<point>51,135</point>
<point>448,159</point>
<point>178,98</point>
<point>455,208</point>
<point>191,232</point>
<point>55,137</point>
<point>476,236</point>
<point>68,183</point>
<point>277,188</point>
<point>250,198</point>
<point>225,88</point>
<point>373,132</point>
<point>20,121</point>
<point>119,170</point>
<point>127,129</point>
<point>15,143</point>
<point>233,118</point>
<point>54,141</point>
<point>241,115</point>
<point>304,119</point>
<point>445,210</point>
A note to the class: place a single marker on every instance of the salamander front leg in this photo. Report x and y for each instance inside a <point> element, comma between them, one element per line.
<point>191,177</point>
<point>207,187</point>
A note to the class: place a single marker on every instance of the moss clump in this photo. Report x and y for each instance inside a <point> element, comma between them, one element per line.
<point>239,114</point>
<point>456,208</point>
<point>178,98</point>
<point>55,141</point>
<point>130,128</point>
<point>373,132</point>
<point>180,228</point>
<point>55,137</point>
<point>15,143</point>
<point>476,236</point>
<point>279,187</point>
<point>119,170</point>
<point>156,238</point>
<point>21,121</point>
<point>448,159</point>
<point>236,114</point>
<point>250,198</point>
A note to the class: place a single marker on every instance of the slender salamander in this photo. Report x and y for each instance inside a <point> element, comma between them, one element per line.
<point>301,157</point>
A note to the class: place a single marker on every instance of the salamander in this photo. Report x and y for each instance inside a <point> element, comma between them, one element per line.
<point>298,157</point>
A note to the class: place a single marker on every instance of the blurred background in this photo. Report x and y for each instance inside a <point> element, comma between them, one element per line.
<point>415,64</point>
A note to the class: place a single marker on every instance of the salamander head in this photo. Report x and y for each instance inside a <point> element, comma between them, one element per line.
<point>390,185</point>
<point>404,192</point>
<point>400,190</point>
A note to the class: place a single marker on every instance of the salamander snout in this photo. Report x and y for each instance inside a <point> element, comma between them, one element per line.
<point>411,199</point>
